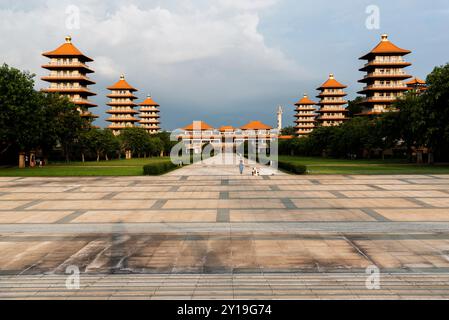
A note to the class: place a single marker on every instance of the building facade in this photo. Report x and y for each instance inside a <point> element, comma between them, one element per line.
<point>332,103</point>
<point>385,76</point>
<point>149,116</point>
<point>226,138</point>
<point>68,76</point>
<point>122,106</point>
<point>417,85</point>
<point>305,116</point>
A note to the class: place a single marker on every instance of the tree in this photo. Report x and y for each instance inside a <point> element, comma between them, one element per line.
<point>63,123</point>
<point>135,139</point>
<point>355,107</point>
<point>288,131</point>
<point>20,114</point>
<point>435,112</point>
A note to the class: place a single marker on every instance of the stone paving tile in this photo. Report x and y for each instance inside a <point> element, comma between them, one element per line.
<point>415,214</point>
<point>223,204</point>
<point>355,203</point>
<point>298,215</point>
<point>363,182</point>
<point>93,204</point>
<point>32,217</point>
<point>280,194</point>
<point>425,187</point>
<point>326,188</point>
<point>394,194</point>
<point>9,205</point>
<point>429,181</point>
<point>126,189</point>
<point>436,202</point>
<point>54,196</point>
<point>147,216</point>
<point>33,189</point>
<point>166,195</point>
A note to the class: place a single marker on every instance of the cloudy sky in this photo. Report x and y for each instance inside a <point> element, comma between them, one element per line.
<point>222,61</point>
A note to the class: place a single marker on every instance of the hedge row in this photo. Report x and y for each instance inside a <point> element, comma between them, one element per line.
<point>158,168</point>
<point>292,167</point>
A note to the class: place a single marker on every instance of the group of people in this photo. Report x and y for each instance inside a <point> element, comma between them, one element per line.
<point>32,162</point>
<point>255,172</point>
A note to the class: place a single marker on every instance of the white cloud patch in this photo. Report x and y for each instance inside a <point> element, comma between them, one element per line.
<point>202,53</point>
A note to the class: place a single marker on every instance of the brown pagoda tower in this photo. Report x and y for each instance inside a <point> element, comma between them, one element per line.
<point>122,106</point>
<point>384,77</point>
<point>149,115</point>
<point>68,76</point>
<point>332,110</point>
<point>417,85</point>
<point>305,116</point>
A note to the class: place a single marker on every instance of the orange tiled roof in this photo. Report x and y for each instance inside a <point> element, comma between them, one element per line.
<point>149,102</point>
<point>332,83</point>
<point>305,101</point>
<point>286,137</point>
<point>198,125</point>
<point>385,46</point>
<point>226,128</point>
<point>122,85</point>
<point>67,49</point>
<point>416,80</point>
<point>256,125</point>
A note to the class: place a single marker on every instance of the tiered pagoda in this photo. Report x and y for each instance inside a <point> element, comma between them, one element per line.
<point>332,103</point>
<point>68,76</point>
<point>417,85</point>
<point>305,116</point>
<point>122,106</point>
<point>384,77</point>
<point>149,116</point>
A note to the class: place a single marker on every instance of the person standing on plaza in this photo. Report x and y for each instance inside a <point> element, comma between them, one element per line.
<point>241,166</point>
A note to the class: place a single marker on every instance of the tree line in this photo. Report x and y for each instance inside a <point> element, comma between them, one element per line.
<point>49,124</point>
<point>421,125</point>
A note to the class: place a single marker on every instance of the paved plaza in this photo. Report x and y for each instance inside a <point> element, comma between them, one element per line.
<point>223,235</point>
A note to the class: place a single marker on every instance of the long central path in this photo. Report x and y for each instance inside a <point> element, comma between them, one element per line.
<point>225,164</point>
<point>218,235</point>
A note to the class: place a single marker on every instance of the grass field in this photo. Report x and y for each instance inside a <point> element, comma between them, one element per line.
<point>133,167</point>
<point>337,166</point>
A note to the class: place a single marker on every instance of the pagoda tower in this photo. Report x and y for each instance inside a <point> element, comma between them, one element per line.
<point>305,116</point>
<point>122,106</point>
<point>417,85</point>
<point>149,115</point>
<point>384,77</point>
<point>68,76</point>
<point>332,110</point>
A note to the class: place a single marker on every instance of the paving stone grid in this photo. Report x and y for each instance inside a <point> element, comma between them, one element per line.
<point>225,236</point>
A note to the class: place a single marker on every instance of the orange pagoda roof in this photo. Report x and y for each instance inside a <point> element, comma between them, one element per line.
<point>226,128</point>
<point>66,50</point>
<point>149,102</point>
<point>122,85</point>
<point>332,83</point>
<point>256,125</point>
<point>305,101</point>
<point>416,81</point>
<point>203,126</point>
<point>385,47</point>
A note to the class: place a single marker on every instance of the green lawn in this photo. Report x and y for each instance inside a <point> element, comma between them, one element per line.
<point>133,167</point>
<point>337,166</point>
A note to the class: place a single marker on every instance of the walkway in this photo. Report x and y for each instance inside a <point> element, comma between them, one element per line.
<point>226,164</point>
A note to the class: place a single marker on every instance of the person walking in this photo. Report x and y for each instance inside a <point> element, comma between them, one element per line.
<point>241,166</point>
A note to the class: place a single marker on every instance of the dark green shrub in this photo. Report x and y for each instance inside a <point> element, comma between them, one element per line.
<point>292,167</point>
<point>158,168</point>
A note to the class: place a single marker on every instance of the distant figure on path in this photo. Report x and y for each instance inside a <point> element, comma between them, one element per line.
<point>241,166</point>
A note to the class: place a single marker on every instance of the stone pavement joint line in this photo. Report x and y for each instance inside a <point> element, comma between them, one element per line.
<point>372,213</point>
